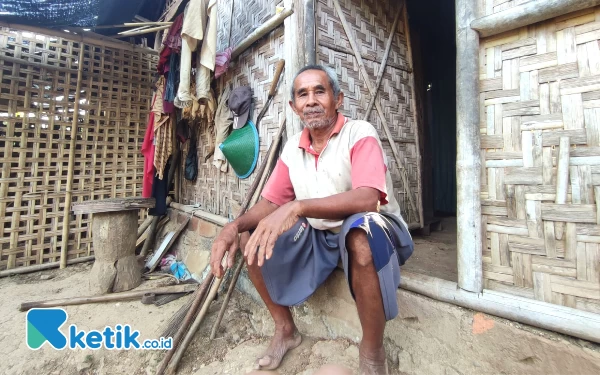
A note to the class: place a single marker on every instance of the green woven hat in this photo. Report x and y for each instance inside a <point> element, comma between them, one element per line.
<point>241,149</point>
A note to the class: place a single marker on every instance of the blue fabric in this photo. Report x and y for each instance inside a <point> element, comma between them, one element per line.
<point>303,258</point>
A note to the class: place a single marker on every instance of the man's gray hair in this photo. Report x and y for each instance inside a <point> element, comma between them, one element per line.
<point>331,74</point>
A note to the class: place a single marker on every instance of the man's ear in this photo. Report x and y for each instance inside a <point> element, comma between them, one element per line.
<point>339,101</point>
<point>291,102</point>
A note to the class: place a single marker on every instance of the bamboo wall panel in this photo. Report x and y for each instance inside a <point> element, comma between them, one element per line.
<point>495,6</point>
<point>221,193</point>
<point>38,75</point>
<point>540,121</point>
<point>371,22</point>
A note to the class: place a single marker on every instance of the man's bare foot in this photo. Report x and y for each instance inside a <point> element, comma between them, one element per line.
<point>282,342</point>
<point>373,363</point>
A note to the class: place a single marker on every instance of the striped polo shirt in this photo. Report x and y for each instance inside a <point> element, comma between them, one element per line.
<point>352,158</point>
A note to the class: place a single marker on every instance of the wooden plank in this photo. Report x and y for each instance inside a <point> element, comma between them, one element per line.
<point>549,239</point>
<point>495,211</point>
<point>566,272</point>
<point>579,85</point>
<point>509,93</point>
<point>571,213</point>
<point>504,163</point>
<point>503,155</point>
<point>588,229</point>
<point>519,52</point>
<point>593,263</point>
<point>535,226</point>
<point>541,61</point>
<point>576,137</point>
<point>592,125</point>
<point>507,230</point>
<point>572,109</point>
<point>542,122</point>
<point>524,176</point>
<point>492,141</point>
<point>558,72</point>
<point>573,287</point>
<point>490,84</point>
<point>542,286</point>
<point>522,268</point>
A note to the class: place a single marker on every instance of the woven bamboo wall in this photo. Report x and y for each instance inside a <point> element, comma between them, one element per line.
<point>38,78</point>
<point>371,21</point>
<point>538,84</point>
<point>495,6</point>
<point>217,192</point>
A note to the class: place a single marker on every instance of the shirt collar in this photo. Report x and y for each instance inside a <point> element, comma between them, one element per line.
<point>305,141</point>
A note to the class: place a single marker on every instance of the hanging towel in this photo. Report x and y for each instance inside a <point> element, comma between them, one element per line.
<point>223,122</point>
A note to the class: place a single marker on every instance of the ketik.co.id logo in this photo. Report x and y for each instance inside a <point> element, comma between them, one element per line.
<point>43,325</point>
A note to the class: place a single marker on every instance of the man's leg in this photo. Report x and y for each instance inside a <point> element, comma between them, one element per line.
<point>365,285</point>
<point>286,334</point>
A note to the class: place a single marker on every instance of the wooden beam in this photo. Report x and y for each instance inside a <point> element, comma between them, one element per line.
<point>468,159</point>
<point>527,14</point>
<point>582,324</point>
<point>44,266</point>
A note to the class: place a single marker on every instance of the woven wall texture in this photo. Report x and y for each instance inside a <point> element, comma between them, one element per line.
<point>541,84</point>
<point>371,22</point>
<point>495,6</point>
<point>38,78</point>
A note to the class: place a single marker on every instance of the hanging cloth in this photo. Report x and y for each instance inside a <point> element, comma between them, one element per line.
<point>163,132</point>
<point>148,152</point>
<point>199,23</point>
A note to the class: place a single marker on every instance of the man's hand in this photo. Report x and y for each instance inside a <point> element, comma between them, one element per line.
<point>263,239</point>
<point>227,241</point>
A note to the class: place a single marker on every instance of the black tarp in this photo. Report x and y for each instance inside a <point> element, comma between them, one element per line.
<point>82,13</point>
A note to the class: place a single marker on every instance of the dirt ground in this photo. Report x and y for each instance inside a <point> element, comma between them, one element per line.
<point>435,255</point>
<point>243,335</point>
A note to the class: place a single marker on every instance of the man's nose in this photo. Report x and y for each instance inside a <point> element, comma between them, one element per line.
<point>311,100</point>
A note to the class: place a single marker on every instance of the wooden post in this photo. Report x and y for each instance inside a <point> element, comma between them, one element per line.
<point>468,161</point>
<point>71,166</point>
<point>310,33</point>
<point>527,14</point>
<point>294,47</point>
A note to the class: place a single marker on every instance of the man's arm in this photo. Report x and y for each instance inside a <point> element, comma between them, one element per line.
<point>339,206</point>
<point>253,216</point>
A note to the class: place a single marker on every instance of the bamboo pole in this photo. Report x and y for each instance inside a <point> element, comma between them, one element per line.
<point>388,47</point>
<point>527,14</point>
<point>106,298</point>
<point>270,25</point>
<point>148,23</point>
<point>372,91</point>
<point>293,48</point>
<point>71,165</point>
<point>413,104</point>
<point>140,32</point>
<point>44,266</point>
<point>566,320</point>
<point>310,31</point>
<point>468,159</point>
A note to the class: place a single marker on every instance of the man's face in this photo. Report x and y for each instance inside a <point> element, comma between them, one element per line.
<point>313,100</point>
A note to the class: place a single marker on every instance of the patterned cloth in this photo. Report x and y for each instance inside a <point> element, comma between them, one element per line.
<point>163,131</point>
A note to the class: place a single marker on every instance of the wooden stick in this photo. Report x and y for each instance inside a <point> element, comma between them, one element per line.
<point>268,167</point>
<point>198,297</point>
<point>106,298</point>
<point>142,228</point>
<point>386,128</point>
<point>270,25</point>
<point>132,30</point>
<point>44,266</point>
<point>190,334</point>
<point>70,168</point>
<point>145,31</point>
<point>413,103</point>
<point>388,47</point>
<point>147,23</point>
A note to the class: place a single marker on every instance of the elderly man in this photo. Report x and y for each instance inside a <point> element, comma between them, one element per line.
<point>329,197</point>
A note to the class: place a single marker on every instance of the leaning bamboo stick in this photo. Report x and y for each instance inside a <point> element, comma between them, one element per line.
<point>106,298</point>
<point>71,165</point>
<point>388,47</point>
<point>270,25</point>
<point>190,334</point>
<point>147,23</point>
<point>268,166</point>
<point>372,91</point>
<point>132,30</point>
<point>198,297</point>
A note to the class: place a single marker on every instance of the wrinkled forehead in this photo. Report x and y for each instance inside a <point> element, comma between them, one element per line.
<point>312,79</point>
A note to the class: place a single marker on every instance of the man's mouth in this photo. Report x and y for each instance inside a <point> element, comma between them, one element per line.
<point>313,114</point>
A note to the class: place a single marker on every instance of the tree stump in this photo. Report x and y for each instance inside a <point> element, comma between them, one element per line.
<point>114,234</point>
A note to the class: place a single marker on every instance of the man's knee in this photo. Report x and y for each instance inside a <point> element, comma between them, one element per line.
<point>358,247</point>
